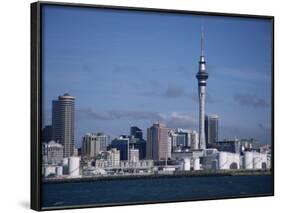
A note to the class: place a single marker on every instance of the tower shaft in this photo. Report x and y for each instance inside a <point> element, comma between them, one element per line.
<point>202,96</point>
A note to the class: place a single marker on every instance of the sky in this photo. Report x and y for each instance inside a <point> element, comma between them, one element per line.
<point>129,68</point>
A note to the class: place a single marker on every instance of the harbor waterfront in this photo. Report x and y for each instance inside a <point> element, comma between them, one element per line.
<point>179,174</point>
<point>149,190</point>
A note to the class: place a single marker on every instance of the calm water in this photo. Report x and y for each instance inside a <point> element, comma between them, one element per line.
<point>152,190</point>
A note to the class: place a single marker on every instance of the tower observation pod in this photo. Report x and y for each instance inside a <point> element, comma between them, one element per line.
<point>202,77</point>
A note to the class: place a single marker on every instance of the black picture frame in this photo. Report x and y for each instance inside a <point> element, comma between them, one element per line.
<point>36,94</point>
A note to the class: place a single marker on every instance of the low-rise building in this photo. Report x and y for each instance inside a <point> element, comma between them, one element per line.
<point>52,153</point>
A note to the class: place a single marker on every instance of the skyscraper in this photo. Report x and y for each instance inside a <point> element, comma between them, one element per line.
<point>211,129</point>
<point>122,143</point>
<point>157,146</point>
<point>136,132</point>
<point>93,144</point>
<point>137,141</point>
<point>202,77</point>
<point>63,122</point>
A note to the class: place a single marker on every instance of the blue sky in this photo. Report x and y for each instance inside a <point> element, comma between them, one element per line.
<point>135,68</point>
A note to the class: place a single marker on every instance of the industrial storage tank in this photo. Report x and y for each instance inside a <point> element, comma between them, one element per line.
<point>196,164</point>
<point>248,160</point>
<point>73,166</point>
<point>223,164</point>
<point>59,170</point>
<point>257,163</point>
<point>186,165</point>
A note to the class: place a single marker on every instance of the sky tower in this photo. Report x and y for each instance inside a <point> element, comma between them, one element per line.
<point>202,77</point>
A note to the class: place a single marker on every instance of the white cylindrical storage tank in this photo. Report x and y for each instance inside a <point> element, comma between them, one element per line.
<point>73,166</point>
<point>196,164</point>
<point>248,160</point>
<point>59,170</point>
<point>223,164</point>
<point>257,163</point>
<point>186,164</point>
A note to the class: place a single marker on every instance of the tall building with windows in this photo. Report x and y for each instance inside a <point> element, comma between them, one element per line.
<point>180,139</point>
<point>158,146</point>
<point>63,122</point>
<point>137,141</point>
<point>93,144</point>
<point>211,129</point>
<point>136,132</point>
<point>121,143</point>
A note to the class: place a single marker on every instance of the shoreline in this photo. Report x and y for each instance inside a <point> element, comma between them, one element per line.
<point>155,176</point>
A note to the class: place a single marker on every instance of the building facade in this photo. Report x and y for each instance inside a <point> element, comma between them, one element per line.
<point>63,122</point>
<point>122,143</point>
<point>136,132</point>
<point>52,153</point>
<point>137,141</point>
<point>47,134</point>
<point>134,155</point>
<point>211,129</point>
<point>194,140</point>
<point>110,158</point>
<point>93,144</point>
<point>157,147</point>
<point>180,139</point>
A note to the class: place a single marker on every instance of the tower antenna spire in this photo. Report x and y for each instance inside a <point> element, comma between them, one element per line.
<point>202,40</point>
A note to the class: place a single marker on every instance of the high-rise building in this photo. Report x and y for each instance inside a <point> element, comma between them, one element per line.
<point>122,143</point>
<point>47,134</point>
<point>211,129</point>
<point>125,142</point>
<point>139,144</point>
<point>137,141</point>
<point>63,122</point>
<point>136,132</point>
<point>158,146</point>
<point>202,77</point>
<point>93,144</point>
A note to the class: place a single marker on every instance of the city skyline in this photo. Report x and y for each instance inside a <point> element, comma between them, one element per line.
<point>146,71</point>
